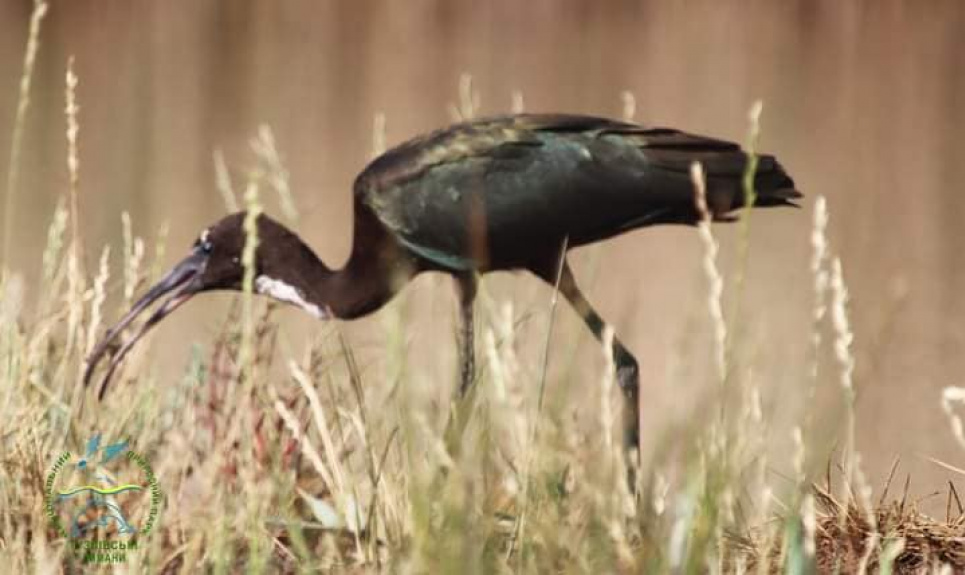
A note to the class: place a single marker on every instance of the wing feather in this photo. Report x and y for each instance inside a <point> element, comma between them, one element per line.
<point>537,177</point>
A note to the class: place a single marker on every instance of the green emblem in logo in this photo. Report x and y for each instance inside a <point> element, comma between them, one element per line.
<point>104,501</point>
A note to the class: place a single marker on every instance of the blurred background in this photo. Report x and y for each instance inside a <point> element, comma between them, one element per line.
<point>864,103</point>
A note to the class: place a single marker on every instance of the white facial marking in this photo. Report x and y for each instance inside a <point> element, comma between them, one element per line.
<point>288,294</point>
<point>204,236</point>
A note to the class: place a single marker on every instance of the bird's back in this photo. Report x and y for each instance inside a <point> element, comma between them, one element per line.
<point>494,192</point>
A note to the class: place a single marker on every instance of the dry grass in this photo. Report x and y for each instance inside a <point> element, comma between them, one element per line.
<point>895,538</point>
<point>907,540</point>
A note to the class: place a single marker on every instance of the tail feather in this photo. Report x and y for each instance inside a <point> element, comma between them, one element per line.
<point>772,185</point>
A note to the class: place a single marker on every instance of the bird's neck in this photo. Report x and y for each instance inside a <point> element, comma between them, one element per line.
<point>375,271</point>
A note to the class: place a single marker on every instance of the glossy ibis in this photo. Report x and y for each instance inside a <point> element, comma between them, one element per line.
<point>506,193</point>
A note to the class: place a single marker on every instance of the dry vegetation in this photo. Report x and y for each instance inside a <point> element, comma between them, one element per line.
<point>297,460</point>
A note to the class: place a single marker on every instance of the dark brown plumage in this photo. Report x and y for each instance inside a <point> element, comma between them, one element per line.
<point>513,192</point>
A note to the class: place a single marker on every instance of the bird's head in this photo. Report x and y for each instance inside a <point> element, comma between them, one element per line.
<point>215,262</point>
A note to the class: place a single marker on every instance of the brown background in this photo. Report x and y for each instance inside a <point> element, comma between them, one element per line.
<point>864,103</point>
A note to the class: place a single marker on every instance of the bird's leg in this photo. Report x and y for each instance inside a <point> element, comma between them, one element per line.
<point>467,294</point>
<point>460,414</point>
<point>627,369</point>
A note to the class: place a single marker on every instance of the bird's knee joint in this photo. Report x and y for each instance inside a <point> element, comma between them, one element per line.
<point>628,372</point>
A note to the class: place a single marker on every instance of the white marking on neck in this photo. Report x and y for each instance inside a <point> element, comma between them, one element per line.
<point>288,294</point>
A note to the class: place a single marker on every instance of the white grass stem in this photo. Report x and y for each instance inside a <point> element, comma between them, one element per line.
<point>222,179</point>
<point>378,134</point>
<point>19,124</point>
<point>273,170</point>
<point>715,281</point>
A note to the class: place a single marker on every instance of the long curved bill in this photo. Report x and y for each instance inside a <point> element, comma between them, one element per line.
<point>180,284</point>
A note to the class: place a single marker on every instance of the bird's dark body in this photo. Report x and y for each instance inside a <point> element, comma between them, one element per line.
<point>513,192</point>
<point>498,193</point>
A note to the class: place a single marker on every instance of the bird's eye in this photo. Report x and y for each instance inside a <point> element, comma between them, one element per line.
<point>206,247</point>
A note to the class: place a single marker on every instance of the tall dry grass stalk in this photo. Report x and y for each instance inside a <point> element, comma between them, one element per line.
<point>253,209</point>
<point>75,263</point>
<point>223,182</point>
<point>820,282</point>
<point>744,223</point>
<point>272,170</point>
<point>517,103</point>
<point>133,257</point>
<point>378,135</point>
<point>468,104</point>
<point>951,397</point>
<point>20,123</point>
<point>715,281</point>
<point>843,338</point>
<point>71,110</point>
<point>531,453</point>
<point>629,105</point>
